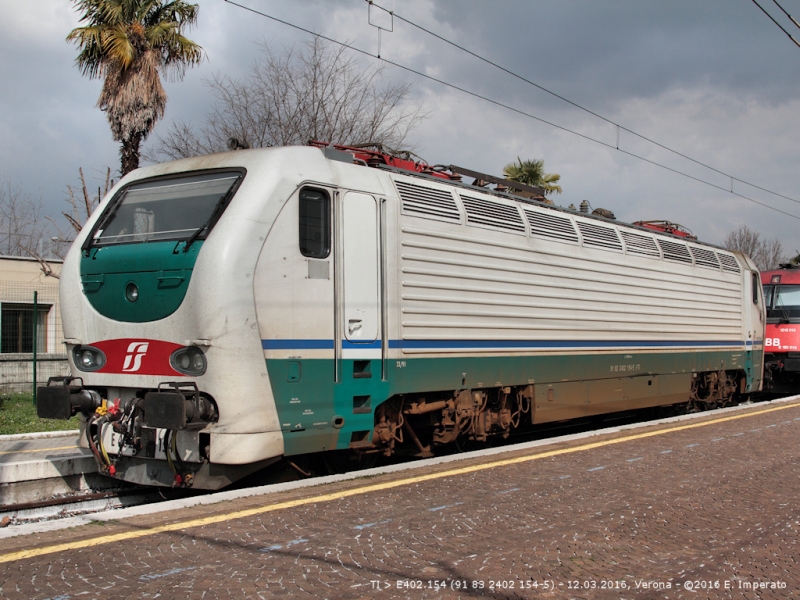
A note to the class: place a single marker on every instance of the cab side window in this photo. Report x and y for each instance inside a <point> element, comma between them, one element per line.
<point>315,223</point>
<point>754,285</point>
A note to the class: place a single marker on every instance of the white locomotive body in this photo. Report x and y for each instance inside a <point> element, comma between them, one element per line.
<point>225,311</point>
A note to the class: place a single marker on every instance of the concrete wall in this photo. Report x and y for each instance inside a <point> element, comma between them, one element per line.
<point>16,370</point>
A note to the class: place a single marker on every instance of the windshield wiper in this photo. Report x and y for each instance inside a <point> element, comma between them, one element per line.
<point>779,303</point>
<point>101,225</point>
<point>214,215</point>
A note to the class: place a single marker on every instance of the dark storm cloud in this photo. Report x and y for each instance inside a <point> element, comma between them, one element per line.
<point>713,78</point>
<point>598,52</point>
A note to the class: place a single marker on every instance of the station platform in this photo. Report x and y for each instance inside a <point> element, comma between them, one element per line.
<point>698,506</point>
<point>37,465</point>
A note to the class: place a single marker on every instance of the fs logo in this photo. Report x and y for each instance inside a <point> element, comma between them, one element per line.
<point>131,356</point>
<point>133,359</point>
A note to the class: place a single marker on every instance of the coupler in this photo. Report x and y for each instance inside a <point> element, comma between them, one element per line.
<point>64,397</point>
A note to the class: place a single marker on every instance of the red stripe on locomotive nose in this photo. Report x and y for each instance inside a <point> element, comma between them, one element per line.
<point>137,356</point>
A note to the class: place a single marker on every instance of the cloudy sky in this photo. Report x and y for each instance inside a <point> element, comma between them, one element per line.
<point>715,80</point>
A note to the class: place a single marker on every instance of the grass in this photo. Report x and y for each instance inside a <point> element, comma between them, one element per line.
<point>18,415</point>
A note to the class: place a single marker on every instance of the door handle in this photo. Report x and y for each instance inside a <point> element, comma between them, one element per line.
<point>354,327</point>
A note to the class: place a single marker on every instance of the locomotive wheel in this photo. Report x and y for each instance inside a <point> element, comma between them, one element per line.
<point>336,462</point>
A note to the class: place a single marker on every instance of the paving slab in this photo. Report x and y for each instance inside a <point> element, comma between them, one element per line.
<point>700,507</point>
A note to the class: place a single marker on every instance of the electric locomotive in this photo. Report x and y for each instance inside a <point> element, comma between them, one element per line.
<point>782,337</point>
<point>227,311</point>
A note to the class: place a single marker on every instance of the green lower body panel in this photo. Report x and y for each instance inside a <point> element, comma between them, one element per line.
<point>318,413</point>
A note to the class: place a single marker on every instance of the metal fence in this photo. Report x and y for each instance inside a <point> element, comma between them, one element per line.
<point>30,319</point>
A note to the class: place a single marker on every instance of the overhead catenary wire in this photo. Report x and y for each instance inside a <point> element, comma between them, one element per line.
<point>791,18</point>
<point>771,18</point>
<point>583,108</point>
<point>511,108</point>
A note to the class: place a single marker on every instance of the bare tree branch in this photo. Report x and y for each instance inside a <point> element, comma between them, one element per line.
<point>773,254</point>
<point>291,97</point>
<point>83,207</point>
<point>21,222</point>
<point>24,231</point>
<point>765,254</point>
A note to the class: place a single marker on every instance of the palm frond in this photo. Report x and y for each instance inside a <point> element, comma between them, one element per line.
<point>90,58</point>
<point>178,12</point>
<point>531,172</point>
<point>119,48</point>
<point>128,42</point>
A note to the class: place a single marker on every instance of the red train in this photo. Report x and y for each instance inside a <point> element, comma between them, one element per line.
<point>782,336</point>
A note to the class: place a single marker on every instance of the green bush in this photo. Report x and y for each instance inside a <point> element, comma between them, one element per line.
<point>18,415</point>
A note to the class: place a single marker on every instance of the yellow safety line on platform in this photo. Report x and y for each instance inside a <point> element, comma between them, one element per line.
<point>73,447</point>
<point>240,514</point>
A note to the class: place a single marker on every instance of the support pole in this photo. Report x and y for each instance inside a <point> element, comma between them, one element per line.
<point>35,319</point>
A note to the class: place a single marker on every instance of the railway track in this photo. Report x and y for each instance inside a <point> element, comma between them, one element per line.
<point>78,504</point>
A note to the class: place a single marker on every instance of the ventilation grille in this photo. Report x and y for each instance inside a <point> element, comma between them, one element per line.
<point>704,257</point>
<point>729,263</point>
<point>492,214</point>
<point>640,244</point>
<point>602,237</point>
<point>675,251</point>
<point>551,226</point>
<point>421,201</point>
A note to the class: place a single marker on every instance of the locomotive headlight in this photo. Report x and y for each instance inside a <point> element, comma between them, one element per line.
<point>132,292</point>
<point>88,358</point>
<point>189,361</point>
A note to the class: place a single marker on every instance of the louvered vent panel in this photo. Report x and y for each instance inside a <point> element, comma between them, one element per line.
<point>704,257</point>
<point>637,243</point>
<point>675,251</point>
<point>729,263</point>
<point>492,214</point>
<point>551,226</point>
<point>601,237</point>
<point>421,201</point>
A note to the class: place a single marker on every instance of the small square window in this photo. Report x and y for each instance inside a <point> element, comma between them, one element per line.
<point>315,223</point>
<point>16,328</point>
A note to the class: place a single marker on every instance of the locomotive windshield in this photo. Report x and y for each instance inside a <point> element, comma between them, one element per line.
<point>181,208</point>
<point>783,301</point>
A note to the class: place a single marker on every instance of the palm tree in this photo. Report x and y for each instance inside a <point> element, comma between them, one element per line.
<point>128,42</point>
<point>531,172</point>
